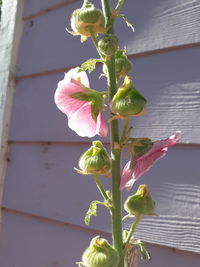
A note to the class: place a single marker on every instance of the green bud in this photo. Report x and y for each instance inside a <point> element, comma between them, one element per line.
<point>128,101</point>
<point>87,19</point>
<point>141,203</point>
<point>95,160</point>
<point>100,254</point>
<point>108,44</point>
<point>123,65</point>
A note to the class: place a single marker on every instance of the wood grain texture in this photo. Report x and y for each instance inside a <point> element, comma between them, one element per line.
<point>169,81</point>
<point>41,180</point>
<point>33,242</point>
<point>160,25</point>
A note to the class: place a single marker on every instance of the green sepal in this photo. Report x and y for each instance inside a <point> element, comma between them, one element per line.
<point>90,64</point>
<point>141,203</point>
<point>95,98</point>
<point>92,211</point>
<point>128,23</point>
<point>140,146</point>
<point>82,96</point>
<point>128,101</point>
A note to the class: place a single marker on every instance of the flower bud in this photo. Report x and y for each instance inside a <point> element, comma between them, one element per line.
<point>95,160</point>
<point>141,203</point>
<point>100,254</point>
<point>128,101</point>
<point>108,44</point>
<point>87,20</point>
<point>123,65</point>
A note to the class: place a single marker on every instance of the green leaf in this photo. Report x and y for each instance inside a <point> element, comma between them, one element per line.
<point>145,255</point>
<point>128,23</point>
<point>90,64</point>
<point>81,96</point>
<point>92,211</point>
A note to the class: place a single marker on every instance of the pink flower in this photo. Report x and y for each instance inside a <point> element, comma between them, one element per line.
<point>74,98</point>
<point>143,163</point>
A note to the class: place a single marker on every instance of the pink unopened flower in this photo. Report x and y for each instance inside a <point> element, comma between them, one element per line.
<point>140,164</point>
<point>82,105</point>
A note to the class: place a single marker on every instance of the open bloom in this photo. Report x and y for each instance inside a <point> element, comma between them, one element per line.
<point>140,164</point>
<point>82,105</point>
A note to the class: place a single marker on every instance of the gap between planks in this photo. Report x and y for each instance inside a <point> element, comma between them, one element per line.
<point>82,228</point>
<point>131,56</point>
<point>49,9</point>
<point>54,221</point>
<point>78,143</point>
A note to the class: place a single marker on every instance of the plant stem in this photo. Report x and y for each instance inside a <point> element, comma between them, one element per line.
<point>100,187</point>
<point>125,132</point>
<point>119,5</point>
<point>115,149</point>
<point>132,229</point>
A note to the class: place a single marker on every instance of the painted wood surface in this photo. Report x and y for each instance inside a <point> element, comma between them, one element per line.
<point>10,35</point>
<point>37,242</point>
<point>159,25</point>
<point>170,81</point>
<point>41,180</point>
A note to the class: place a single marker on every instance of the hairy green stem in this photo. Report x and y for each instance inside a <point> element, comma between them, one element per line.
<point>100,187</point>
<point>125,132</point>
<point>119,6</point>
<point>115,147</point>
<point>132,229</point>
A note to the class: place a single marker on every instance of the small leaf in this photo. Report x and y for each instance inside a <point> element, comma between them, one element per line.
<point>89,65</point>
<point>128,23</point>
<point>92,211</point>
<point>144,253</point>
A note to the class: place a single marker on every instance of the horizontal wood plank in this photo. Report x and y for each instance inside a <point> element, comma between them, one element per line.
<point>33,242</point>
<point>169,81</point>
<point>42,181</point>
<point>161,24</point>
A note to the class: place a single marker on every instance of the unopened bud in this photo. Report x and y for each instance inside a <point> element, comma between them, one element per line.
<point>123,65</point>
<point>95,160</point>
<point>100,254</point>
<point>141,203</point>
<point>128,101</point>
<point>87,20</point>
<point>108,44</point>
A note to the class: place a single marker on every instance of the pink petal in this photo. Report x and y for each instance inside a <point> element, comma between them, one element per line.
<point>64,101</point>
<point>74,74</point>
<point>102,128</point>
<point>145,162</point>
<point>163,144</point>
<point>82,122</point>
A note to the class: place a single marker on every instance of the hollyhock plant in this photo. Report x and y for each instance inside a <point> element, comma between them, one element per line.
<point>139,165</point>
<point>82,105</point>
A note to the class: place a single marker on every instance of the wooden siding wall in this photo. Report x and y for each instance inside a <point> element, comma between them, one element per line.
<point>44,199</point>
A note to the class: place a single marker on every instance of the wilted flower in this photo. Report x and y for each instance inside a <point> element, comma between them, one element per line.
<point>141,163</point>
<point>82,105</point>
